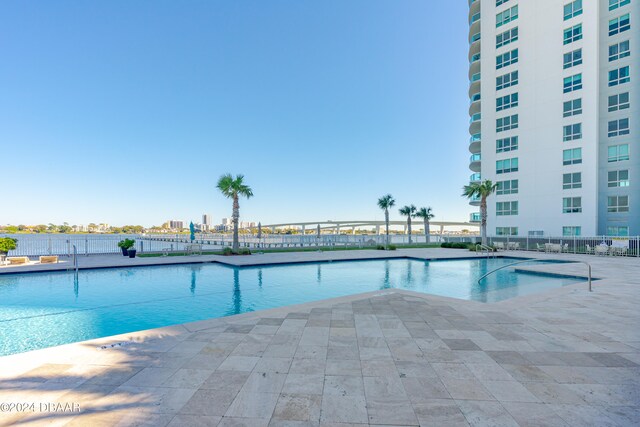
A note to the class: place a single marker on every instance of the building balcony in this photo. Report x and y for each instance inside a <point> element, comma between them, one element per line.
<point>474,27</point>
<point>475,177</point>
<point>475,144</point>
<point>475,105</point>
<point>474,38</point>
<point>474,18</point>
<point>474,201</point>
<point>474,68</point>
<point>474,85</point>
<point>475,122</point>
<point>474,51</point>
<point>475,162</point>
<point>475,217</point>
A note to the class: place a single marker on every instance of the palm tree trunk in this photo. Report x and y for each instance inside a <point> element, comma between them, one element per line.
<point>483,220</point>
<point>235,217</point>
<point>409,227</point>
<point>386,222</point>
<point>426,230</point>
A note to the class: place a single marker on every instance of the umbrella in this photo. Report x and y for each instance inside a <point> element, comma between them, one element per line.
<point>192,228</point>
<point>259,230</point>
<point>318,232</point>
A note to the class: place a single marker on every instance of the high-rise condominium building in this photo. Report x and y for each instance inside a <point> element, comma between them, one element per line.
<point>206,219</point>
<point>555,115</point>
<point>176,224</point>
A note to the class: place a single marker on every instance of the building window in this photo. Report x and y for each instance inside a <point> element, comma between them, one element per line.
<point>572,132</point>
<point>572,108</point>
<point>572,59</point>
<point>572,156</point>
<point>507,101</point>
<point>619,25</point>
<point>618,178</point>
<point>507,16</point>
<point>507,187</point>
<point>619,102</point>
<point>573,83</point>
<point>618,231</point>
<point>614,4</point>
<point>619,51</point>
<point>571,180</point>
<point>507,37</point>
<point>572,205</point>
<point>499,2</point>
<point>506,208</point>
<point>618,128</point>
<point>506,59</point>
<point>508,80</point>
<point>572,9</point>
<point>570,231</point>
<point>619,76</point>
<point>507,144</point>
<point>573,34</point>
<point>618,153</point>
<point>618,204</point>
<point>507,123</point>
<point>506,231</point>
<point>507,165</point>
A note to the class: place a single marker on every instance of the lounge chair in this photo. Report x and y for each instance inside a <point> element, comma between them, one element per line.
<point>16,260</point>
<point>540,247</point>
<point>602,250</point>
<point>499,245</point>
<point>49,259</point>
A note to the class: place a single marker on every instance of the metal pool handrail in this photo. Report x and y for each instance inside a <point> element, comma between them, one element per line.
<point>488,249</point>
<point>535,260</point>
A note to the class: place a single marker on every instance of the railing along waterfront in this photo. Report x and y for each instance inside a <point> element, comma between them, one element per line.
<point>87,244</point>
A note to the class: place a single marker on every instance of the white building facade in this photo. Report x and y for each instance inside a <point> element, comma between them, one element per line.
<point>555,115</point>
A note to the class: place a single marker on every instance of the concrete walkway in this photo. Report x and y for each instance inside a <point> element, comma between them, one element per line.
<point>565,357</point>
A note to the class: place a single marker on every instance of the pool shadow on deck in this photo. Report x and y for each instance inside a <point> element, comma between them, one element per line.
<point>111,385</point>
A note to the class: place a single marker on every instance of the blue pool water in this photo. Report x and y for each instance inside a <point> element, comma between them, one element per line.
<point>45,309</point>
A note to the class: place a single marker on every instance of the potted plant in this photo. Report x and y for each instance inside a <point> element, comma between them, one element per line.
<point>132,252</point>
<point>7,244</point>
<point>125,245</point>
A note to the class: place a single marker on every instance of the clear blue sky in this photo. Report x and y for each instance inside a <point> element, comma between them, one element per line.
<point>127,112</point>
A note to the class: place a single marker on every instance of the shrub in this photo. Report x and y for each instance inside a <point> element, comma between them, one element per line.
<point>456,245</point>
<point>227,251</point>
<point>126,243</point>
<point>380,247</point>
<point>7,244</point>
<point>244,251</point>
<point>392,247</point>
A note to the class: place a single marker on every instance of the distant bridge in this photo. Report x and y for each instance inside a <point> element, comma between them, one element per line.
<point>336,226</point>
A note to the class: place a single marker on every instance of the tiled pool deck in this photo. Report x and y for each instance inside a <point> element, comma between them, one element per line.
<point>565,357</point>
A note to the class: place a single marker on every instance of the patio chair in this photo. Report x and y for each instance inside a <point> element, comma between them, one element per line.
<point>499,246</point>
<point>588,250</point>
<point>540,247</point>
<point>601,250</point>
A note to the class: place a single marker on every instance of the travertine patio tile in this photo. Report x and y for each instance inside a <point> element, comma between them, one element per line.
<point>383,411</point>
<point>439,412</point>
<point>344,409</point>
<point>343,385</point>
<point>467,389</point>
<point>181,420</point>
<point>343,367</point>
<point>304,384</point>
<point>481,414</point>
<point>298,407</point>
<point>209,402</point>
<point>421,389</point>
<point>243,422</point>
<point>238,363</point>
<point>509,391</point>
<point>489,372</point>
<point>253,405</point>
<point>534,414</point>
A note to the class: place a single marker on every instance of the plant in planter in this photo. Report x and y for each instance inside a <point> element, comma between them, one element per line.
<point>7,244</point>
<point>132,252</point>
<point>125,245</point>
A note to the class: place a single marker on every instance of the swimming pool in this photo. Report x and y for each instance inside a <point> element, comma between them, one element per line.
<point>39,310</point>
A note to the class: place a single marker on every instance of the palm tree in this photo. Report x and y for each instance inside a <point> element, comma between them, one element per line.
<point>408,211</point>
<point>482,190</point>
<point>385,203</point>
<point>233,188</point>
<point>426,215</point>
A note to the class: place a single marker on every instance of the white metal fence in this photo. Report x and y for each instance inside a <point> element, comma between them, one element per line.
<point>54,244</point>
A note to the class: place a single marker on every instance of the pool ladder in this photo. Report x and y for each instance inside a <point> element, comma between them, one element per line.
<point>488,249</point>
<point>536,260</point>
